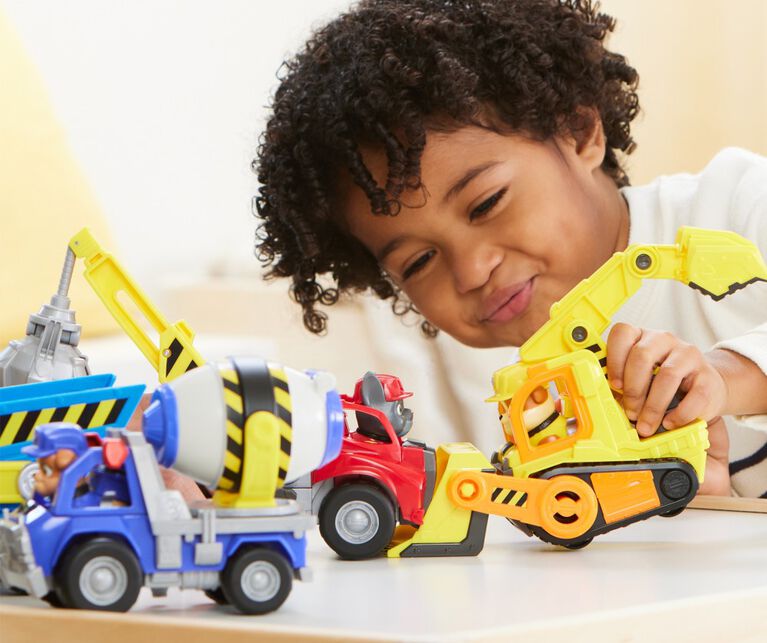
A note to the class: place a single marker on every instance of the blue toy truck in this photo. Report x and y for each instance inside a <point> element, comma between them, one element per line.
<point>113,527</point>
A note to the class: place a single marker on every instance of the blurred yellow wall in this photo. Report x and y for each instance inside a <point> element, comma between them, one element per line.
<point>44,199</point>
<point>703,79</point>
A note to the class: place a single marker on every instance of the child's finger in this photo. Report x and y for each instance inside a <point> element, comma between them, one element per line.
<point>692,407</point>
<point>651,349</point>
<point>136,421</point>
<point>620,341</point>
<point>182,483</point>
<point>663,386</point>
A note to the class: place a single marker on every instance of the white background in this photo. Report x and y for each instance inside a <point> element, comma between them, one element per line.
<point>162,102</point>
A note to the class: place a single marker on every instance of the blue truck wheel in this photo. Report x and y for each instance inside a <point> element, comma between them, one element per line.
<point>99,574</point>
<point>257,580</point>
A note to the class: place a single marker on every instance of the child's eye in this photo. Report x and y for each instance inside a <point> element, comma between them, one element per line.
<point>417,265</point>
<point>486,205</point>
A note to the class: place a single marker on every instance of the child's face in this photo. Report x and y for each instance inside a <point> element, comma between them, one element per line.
<point>505,227</point>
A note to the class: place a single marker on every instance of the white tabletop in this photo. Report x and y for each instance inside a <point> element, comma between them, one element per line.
<point>702,570</point>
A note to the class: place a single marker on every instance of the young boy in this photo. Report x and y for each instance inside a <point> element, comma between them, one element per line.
<point>461,159</point>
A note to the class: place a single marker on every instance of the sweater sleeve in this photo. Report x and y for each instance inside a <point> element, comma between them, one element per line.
<point>749,217</point>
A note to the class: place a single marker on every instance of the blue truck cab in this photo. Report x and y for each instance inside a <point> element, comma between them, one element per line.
<point>112,527</point>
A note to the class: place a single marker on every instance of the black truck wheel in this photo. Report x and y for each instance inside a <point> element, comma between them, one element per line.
<point>257,580</point>
<point>357,521</point>
<point>98,574</point>
<point>53,599</point>
<point>217,596</point>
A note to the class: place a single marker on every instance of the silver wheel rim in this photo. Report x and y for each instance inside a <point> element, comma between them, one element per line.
<point>26,481</point>
<point>103,580</point>
<point>260,581</point>
<point>357,522</point>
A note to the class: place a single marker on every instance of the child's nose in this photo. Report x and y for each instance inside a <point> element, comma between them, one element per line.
<point>473,264</point>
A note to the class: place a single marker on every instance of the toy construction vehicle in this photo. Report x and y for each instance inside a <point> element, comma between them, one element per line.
<point>45,378</point>
<point>594,473</point>
<point>111,526</point>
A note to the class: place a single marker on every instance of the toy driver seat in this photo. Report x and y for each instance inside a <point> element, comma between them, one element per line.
<point>383,393</point>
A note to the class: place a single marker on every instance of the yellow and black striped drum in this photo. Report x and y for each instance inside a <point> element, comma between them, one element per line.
<point>198,424</point>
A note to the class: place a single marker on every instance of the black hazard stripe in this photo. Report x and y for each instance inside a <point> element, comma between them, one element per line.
<point>509,496</point>
<point>234,417</point>
<point>87,414</point>
<point>232,476</point>
<point>175,349</point>
<point>234,448</point>
<point>116,410</point>
<point>285,415</point>
<point>27,424</point>
<point>281,384</point>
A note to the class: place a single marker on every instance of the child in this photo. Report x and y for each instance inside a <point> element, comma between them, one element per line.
<point>462,159</point>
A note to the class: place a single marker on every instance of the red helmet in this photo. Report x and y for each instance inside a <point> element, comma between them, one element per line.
<point>392,387</point>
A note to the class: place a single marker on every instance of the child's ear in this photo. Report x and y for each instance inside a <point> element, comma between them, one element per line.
<point>589,137</point>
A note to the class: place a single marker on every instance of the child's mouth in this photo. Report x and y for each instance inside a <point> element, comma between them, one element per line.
<point>508,303</point>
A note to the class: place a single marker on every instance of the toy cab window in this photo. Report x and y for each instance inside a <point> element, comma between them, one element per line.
<point>547,416</point>
<point>103,489</point>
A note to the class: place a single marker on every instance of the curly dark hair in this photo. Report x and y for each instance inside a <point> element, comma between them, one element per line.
<point>387,72</point>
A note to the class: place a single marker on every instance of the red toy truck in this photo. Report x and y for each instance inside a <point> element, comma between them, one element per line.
<point>379,480</point>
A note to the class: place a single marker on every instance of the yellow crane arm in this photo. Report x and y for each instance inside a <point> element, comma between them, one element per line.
<point>715,262</point>
<point>175,353</point>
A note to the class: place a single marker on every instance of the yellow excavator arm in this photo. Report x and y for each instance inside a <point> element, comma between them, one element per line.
<point>715,262</point>
<point>173,353</point>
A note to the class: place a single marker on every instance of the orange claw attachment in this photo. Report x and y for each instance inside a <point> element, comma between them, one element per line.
<point>565,506</point>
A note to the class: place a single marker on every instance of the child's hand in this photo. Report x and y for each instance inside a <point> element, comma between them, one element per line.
<point>632,357</point>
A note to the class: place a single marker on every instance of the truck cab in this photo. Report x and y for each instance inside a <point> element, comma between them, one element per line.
<point>378,480</point>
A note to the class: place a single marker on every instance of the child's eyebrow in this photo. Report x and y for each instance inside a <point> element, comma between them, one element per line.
<point>390,247</point>
<point>468,177</point>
